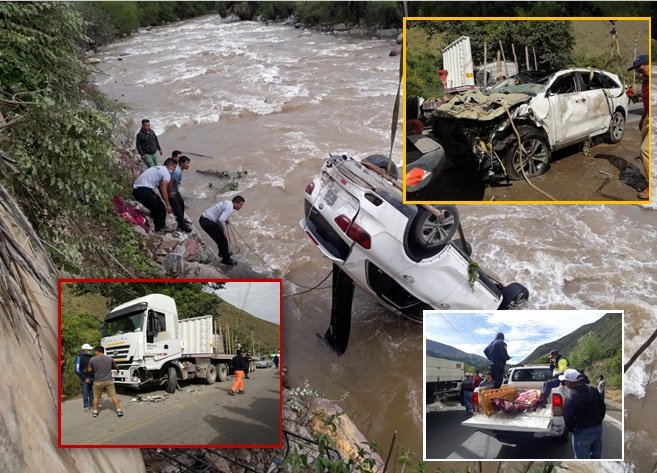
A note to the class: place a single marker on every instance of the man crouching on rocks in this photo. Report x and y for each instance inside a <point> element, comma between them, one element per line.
<point>157,177</point>
<point>214,221</point>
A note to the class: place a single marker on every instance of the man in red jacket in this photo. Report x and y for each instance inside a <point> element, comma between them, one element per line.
<point>641,64</point>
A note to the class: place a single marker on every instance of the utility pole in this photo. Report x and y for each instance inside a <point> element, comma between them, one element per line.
<point>634,70</point>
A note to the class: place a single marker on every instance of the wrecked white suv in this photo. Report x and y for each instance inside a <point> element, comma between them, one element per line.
<point>403,255</point>
<point>548,110</point>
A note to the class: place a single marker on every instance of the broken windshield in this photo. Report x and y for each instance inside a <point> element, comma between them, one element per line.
<point>131,322</point>
<point>532,83</point>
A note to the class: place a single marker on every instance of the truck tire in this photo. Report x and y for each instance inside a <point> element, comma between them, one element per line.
<point>172,382</point>
<point>514,297</point>
<point>210,374</point>
<point>222,371</point>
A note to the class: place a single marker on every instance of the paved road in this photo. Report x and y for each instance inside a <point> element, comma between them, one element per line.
<point>448,439</point>
<point>196,415</point>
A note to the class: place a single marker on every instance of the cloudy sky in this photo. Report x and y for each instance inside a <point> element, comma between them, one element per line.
<point>523,330</point>
<point>261,299</point>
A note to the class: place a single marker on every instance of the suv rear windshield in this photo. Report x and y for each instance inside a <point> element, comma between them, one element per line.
<point>531,374</point>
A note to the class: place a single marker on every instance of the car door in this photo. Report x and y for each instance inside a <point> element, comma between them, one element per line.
<point>596,89</point>
<point>570,108</point>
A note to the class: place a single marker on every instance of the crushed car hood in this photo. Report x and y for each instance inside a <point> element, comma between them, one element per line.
<point>474,105</point>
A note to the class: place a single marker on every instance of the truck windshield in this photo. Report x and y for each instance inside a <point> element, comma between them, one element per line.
<point>127,323</point>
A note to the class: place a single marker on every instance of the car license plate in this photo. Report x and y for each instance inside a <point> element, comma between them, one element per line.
<point>330,197</point>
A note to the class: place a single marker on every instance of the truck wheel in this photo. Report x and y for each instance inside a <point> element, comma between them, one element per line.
<point>430,234</point>
<point>172,382</point>
<point>536,155</point>
<point>210,374</point>
<point>222,371</point>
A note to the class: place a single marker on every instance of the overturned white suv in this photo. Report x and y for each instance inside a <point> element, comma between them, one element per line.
<point>401,254</point>
<point>547,111</point>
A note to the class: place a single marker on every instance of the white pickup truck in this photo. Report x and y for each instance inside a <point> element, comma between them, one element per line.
<point>514,428</point>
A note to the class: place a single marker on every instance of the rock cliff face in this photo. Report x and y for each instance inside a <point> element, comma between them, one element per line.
<point>28,356</point>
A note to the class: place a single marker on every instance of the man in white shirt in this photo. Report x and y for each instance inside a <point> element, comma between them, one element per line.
<point>214,221</point>
<point>143,190</point>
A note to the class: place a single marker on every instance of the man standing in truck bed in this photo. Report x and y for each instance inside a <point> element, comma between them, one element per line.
<point>496,353</point>
<point>101,366</point>
<point>239,366</point>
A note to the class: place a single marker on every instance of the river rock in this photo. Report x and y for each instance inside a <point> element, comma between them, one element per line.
<point>93,60</point>
<point>340,27</point>
<point>298,25</point>
<point>387,32</point>
<point>201,271</point>
<point>395,52</point>
<point>191,248</point>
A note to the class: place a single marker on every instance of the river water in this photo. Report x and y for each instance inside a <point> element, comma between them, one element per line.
<point>274,101</point>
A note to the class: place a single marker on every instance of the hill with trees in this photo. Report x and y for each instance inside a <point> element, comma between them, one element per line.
<point>441,350</point>
<point>594,347</point>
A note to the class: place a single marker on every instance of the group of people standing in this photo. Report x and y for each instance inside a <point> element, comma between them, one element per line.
<point>166,179</point>
<point>95,373</point>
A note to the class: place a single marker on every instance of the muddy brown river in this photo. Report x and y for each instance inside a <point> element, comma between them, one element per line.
<point>274,101</point>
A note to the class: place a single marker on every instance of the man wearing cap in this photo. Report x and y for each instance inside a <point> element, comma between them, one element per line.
<point>583,414</point>
<point>554,359</point>
<point>86,378</point>
<point>497,354</point>
<point>466,391</point>
<point>642,67</point>
<point>239,367</point>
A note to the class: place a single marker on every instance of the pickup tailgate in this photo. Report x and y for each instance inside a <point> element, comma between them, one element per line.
<point>538,421</point>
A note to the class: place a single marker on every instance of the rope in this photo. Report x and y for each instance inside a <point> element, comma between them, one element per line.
<point>199,155</point>
<point>311,289</point>
<point>522,164</point>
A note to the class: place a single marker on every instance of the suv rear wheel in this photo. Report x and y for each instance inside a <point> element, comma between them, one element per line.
<point>430,233</point>
<point>616,127</point>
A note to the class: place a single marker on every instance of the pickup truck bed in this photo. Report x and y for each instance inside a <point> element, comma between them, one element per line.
<point>538,421</point>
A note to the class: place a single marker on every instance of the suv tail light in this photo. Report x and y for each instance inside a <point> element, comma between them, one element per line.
<point>354,231</point>
<point>557,405</point>
<point>475,398</point>
<point>310,187</point>
<point>417,175</point>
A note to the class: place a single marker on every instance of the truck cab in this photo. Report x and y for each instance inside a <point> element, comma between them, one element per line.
<point>142,335</point>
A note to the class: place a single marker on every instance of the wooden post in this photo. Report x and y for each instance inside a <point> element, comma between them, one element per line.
<point>498,66</point>
<point>506,69</point>
<point>515,58</point>
<point>485,64</point>
<point>527,56</point>
<point>535,61</point>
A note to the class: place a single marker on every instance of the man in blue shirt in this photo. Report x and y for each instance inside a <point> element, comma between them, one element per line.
<point>175,198</point>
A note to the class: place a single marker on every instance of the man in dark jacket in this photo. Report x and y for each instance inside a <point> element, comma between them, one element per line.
<point>496,353</point>
<point>465,393</point>
<point>86,378</point>
<point>239,367</point>
<point>148,144</point>
<point>583,414</point>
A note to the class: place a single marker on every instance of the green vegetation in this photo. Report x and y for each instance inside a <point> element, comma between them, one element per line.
<point>58,129</point>
<point>595,348</point>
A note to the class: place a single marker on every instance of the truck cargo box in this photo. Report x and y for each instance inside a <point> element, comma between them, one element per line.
<point>198,337</point>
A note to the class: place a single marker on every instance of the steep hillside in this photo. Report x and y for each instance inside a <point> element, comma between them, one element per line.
<point>265,333</point>
<point>441,350</point>
<point>607,330</point>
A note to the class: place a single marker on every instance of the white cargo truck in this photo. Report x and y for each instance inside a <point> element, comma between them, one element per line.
<point>457,60</point>
<point>152,346</point>
<point>443,377</point>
